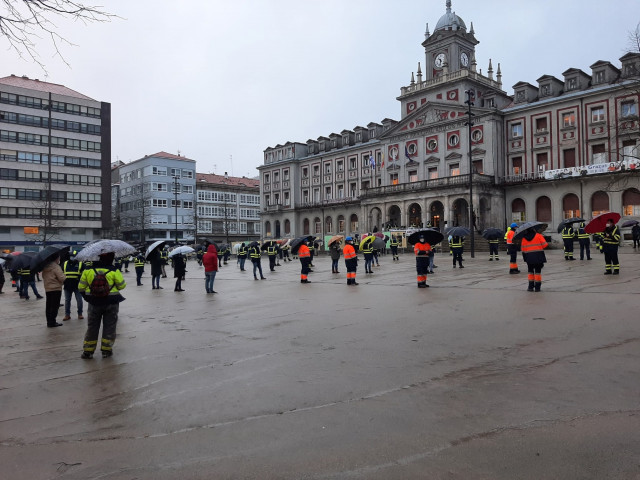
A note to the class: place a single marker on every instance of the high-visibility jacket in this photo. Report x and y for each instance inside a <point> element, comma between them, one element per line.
<point>533,250</point>
<point>349,252</point>
<point>393,242</point>
<point>494,241</point>
<point>422,249</point>
<point>568,233</point>
<point>254,253</point>
<point>242,252</point>
<point>304,252</point>
<point>72,271</point>
<point>139,261</point>
<point>367,248</point>
<point>509,235</point>
<point>272,249</point>
<point>611,238</point>
<point>115,279</point>
<point>456,243</point>
<point>581,232</point>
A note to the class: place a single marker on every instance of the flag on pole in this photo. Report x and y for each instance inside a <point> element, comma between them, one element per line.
<point>372,162</point>
<point>406,153</point>
<point>382,158</point>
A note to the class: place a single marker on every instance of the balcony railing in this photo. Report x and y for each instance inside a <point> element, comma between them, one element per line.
<point>444,182</point>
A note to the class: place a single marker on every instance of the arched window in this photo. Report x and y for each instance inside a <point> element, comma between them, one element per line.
<point>317,226</point>
<point>267,228</point>
<point>305,226</point>
<point>631,202</point>
<point>570,206</point>
<point>341,224</point>
<point>543,209</point>
<point>599,203</point>
<point>328,225</point>
<point>518,210</point>
<point>287,227</point>
<point>354,223</point>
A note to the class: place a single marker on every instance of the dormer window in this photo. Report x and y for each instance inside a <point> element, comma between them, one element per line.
<point>599,77</point>
<point>572,83</point>
<point>629,70</point>
<point>333,144</point>
<point>358,136</point>
<point>546,90</point>
<point>322,146</point>
<point>345,140</point>
<point>372,133</point>
<point>520,96</point>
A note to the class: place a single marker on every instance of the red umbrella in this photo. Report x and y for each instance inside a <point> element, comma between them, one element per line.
<point>598,224</point>
<point>379,235</point>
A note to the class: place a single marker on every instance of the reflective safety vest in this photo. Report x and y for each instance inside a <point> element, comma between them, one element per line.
<point>568,233</point>
<point>242,252</point>
<point>72,270</point>
<point>303,251</point>
<point>421,249</point>
<point>509,235</point>
<point>139,262</point>
<point>272,250</point>
<point>581,232</point>
<point>494,240</point>
<point>456,243</point>
<point>349,252</point>
<point>164,255</point>
<point>612,238</point>
<point>393,242</point>
<point>368,248</point>
<point>254,252</point>
<point>538,243</point>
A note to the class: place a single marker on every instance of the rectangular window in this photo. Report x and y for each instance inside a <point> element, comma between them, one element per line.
<point>516,130</point>
<point>569,158</point>
<point>305,172</point>
<point>598,154</point>
<point>628,109</point>
<point>176,172</point>
<point>317,227</point>
<point>285,175</point>
<point>287,200</point>
<point>316,170</point>
<point>517,165</point>
<point>340,166</point>
<point>159,187</point>
<point>454,169</point>
<point>159,171</point>
<point>160,203</point>
<point>478,166</point>
<point>327,193</point>
<point>353,190</point>
<point>413,176</point>
<point>597,114</point>
<point>393,179</point>
<point>340,191</point>
<point>174,203</point>
<point>189,189</point>
<point>569,120</point>
<point>541,125</point>
<point>542,161</point>
<point>353,163</point>
<point>433,173</point>
<point>327,169</point>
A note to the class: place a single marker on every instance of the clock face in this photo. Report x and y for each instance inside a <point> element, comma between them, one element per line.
<point>439,62</point>
<point>464,59</point>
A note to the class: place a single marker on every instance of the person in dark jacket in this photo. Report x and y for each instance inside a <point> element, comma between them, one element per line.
<point>155,259</point>
<point>334,251</point>
<point>211,265</point>
<point>1,278</point>
<point>179,269</point>
<point>635,235</point>
<point>139,262</point>
<point>532,246</point>
<point>457,248</point>
<point>422,250</point>
<point>254,254</point>
<point>610,242</point>
<point>242,256</point>
<point>585,243</point>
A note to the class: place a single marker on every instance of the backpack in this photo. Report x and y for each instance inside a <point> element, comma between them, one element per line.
<point>99,285</point>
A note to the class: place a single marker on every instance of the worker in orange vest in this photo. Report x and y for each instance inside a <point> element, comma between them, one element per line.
<point>422,249</point>
<point>512,248</point>
<point>533,245</point>
<point>350,261</point>
<point>305,259</point>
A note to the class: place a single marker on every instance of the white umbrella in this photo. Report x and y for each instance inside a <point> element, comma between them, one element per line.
<point>183,250</point>
<point>153,246</point>
<point>92,251</point>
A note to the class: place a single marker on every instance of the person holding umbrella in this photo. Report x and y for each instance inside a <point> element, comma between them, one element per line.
<point>512,248</point>
<point>533,245</point>
<point>457,247</point>
<point>272,253</point>
<point>350,261</point>
<point>422,250</point>
<point>610,242</point>
<point>53,279</point>
<point>179,269</point>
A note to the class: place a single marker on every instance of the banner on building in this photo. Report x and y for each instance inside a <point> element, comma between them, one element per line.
<point>598,168</point>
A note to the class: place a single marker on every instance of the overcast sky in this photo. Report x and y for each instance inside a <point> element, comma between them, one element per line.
<point>220,81</point>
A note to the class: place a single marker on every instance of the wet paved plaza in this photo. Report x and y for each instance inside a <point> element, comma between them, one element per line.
<point>473,378</point>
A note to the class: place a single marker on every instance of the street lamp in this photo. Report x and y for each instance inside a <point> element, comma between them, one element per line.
<point>469,123</point>
<point>175,193</point>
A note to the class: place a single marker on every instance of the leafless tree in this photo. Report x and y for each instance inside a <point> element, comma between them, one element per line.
<point>135,214</point>
<point>23,22</point>
<point>50,219</point>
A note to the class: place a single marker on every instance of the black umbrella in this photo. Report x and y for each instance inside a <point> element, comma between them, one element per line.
<point>266,245</point>
<point>458,232</point>
<point>629,223</point>
<point>253,244</point>
<point>569,221</point>
<point>46,255</point>
<point>295,243</point>
<point>537,226</point>
<point>22,261</point>
<point>493,234</point>
<point>430,235</point>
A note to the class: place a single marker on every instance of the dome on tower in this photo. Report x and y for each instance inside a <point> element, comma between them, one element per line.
<point>450,21</point>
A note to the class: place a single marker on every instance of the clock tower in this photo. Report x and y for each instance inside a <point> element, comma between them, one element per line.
<point>450,48</point>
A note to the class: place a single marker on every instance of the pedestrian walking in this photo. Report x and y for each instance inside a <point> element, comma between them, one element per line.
<point>635,235</point>
<point>72,270</point>
<point>610,242</point>
<point>254,254</point>
<point>334,252</point>
<point>422,250</point>
<point>457,248</point>
<point>242,256</point>
<point>304,255</point>
<point>568,235</point>
<point>512,248</point>
<point>583,240</point>
<point>179,269</point>
<point>53,279</point>
<point>350,261</point>
<point>393,244</point>
<point>211,265</point>
<point>139,264</point>
<point>26,281</point>
<point>533,245</point>
<point>101,286</point>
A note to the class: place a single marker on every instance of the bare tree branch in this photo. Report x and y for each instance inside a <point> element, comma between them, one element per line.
<point>22,22</point>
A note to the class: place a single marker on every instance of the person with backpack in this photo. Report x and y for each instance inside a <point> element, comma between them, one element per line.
<point>101,285</point>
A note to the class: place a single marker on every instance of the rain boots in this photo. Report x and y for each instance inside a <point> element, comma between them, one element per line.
<point>531,286</point>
